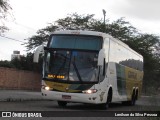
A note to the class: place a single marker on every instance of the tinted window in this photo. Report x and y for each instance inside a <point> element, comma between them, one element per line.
<point>71,65</point>
<point>76,42</point>
<point>124,56</point>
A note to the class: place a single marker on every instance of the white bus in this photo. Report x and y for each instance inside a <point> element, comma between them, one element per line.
<point>90,67</point>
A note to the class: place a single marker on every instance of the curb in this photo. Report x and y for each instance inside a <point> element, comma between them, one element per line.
<point>20,99</point>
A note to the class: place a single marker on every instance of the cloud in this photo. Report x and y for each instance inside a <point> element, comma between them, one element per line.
<point>8,46</point>
<point>142,9</point>
<point>31,15</point>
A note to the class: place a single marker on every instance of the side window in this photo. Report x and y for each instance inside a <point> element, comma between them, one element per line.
<point>46,64</point>
<point>102,68</point>
<point>100,76</point>
<point>106,47</point>
<point>113,55</point>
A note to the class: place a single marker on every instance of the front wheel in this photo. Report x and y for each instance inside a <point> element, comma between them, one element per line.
<point>109,99</point>
<point>62,103</point>
<point>104,106</point>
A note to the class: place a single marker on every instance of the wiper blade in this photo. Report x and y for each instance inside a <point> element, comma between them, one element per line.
<point>62,64</point>
<point>76,69</point>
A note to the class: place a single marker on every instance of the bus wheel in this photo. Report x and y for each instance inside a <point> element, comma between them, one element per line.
<point>109,99</point>
<point>104,106</point>
<point>136,96</point>
<point>62,103</point>
<point>131,102</point>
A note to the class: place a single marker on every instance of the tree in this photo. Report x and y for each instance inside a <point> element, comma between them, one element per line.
<point>146,44</point>
<point>118,29</point>
<point>26,63</point>
<point>74,21</point>
<point>4,7</point>
<point>6,64</point>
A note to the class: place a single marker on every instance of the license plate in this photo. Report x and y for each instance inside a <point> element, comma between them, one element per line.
<point>66,96</point>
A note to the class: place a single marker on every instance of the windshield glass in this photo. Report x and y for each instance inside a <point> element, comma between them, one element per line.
<point>71,65</point>
<point>76,42</point>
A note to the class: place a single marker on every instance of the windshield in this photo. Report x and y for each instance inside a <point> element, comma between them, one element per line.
<point>71,65</point>
<point>85,42</point>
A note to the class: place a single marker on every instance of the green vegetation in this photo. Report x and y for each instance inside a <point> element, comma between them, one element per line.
<point>4,8</point>
<point>147,45</point>
<point>24,63</point>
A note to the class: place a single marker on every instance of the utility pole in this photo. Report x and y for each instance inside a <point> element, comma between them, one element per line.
<point>104,14</point>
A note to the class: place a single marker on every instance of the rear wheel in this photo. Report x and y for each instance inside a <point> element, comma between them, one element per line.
<point>62,103</point>
<point>132,101</point>
<point>136,96</point>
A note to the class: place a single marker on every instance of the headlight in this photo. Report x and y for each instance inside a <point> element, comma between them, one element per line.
<point>47,88</point>
<point>90,91</point>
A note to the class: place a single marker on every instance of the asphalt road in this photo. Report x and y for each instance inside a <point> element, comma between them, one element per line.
<point>143,104</point>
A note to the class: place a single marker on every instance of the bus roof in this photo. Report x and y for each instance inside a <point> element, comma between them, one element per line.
<point>79,32</point>
<point>94,33</point>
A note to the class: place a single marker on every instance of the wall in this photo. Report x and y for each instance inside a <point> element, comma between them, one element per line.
<point>19,79</point>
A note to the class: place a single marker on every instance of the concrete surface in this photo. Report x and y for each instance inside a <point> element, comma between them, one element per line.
<point>25,95</point>
<point>19,95</point>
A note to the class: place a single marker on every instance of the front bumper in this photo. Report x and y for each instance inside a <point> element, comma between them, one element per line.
<point>74,97</point>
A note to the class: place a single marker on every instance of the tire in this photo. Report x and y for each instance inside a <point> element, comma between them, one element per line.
<point>62,103</point>
<point>105,106</point>
<point>131,102</point>
<point>136,96</point>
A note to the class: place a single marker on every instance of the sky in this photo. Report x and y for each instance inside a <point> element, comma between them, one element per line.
<point>27,16</point>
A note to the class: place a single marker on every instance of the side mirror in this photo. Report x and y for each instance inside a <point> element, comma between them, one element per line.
<point>102,61</point>
<point>101,57</point>
<point>39,50</point>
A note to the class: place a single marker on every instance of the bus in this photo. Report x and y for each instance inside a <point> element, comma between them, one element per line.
<point>89,67</point>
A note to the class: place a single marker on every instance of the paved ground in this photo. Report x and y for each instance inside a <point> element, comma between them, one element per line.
<point>19,95</point>
<point>24,95</point>
<point>32,101</point>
